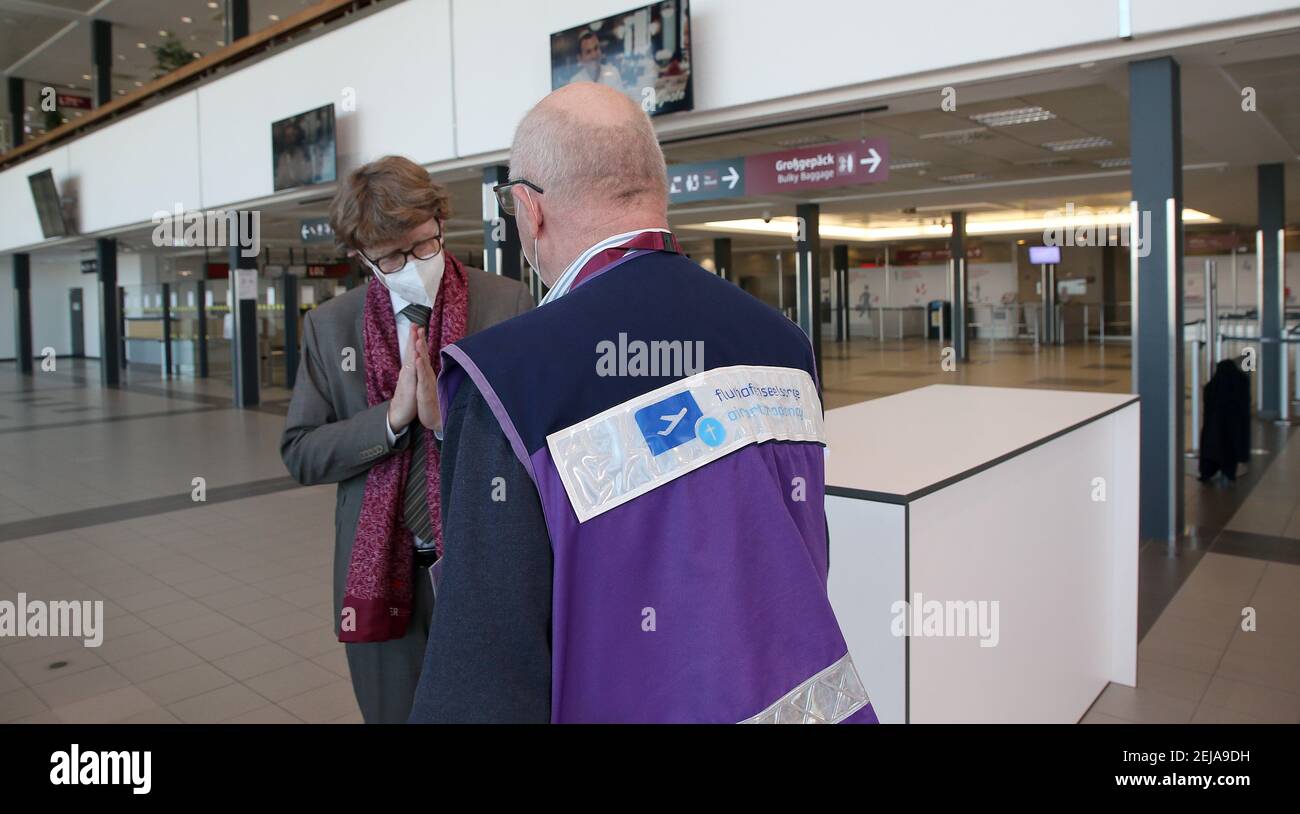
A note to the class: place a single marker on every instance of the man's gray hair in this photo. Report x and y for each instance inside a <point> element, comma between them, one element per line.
<point>577,160</point>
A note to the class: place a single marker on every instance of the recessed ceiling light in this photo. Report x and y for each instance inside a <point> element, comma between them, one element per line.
<point>1018,115</point>
<point>162,32</point>
<point>186,20</point>
<point>213,5</point>
<point>1112,163</point>
<point>139,84</point>
<point>86,77</point>
<point>121,93</point>
<point>121,56</point>
<point>196,54</point>
<point>221,43</point>
<point>141,45</point>
<point>275,18</point>
<point>1088,143</point>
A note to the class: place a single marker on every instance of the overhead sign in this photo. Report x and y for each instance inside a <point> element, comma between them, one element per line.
<point>706,180</point>
<point>90,266</point>
<point>315,230</point>
<point>73,101</point>
<point>825,165</point>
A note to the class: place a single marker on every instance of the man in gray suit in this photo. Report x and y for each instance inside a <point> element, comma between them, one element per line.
<point>355,402</point>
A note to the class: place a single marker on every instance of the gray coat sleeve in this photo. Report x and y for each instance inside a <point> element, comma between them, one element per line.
<point>319,447</point>
<point>488,659</point>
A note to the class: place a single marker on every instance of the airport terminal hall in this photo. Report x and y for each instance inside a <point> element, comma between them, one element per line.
<point>707,361</point>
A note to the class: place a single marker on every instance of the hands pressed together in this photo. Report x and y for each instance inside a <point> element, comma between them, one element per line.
<point>416,394</point>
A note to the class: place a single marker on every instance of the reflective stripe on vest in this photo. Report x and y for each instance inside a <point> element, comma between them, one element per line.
<point>646,442</point>
<point>826,698</point>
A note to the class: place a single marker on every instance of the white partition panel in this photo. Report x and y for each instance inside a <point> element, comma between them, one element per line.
<point>1031,535</point>
<point>867,575</point>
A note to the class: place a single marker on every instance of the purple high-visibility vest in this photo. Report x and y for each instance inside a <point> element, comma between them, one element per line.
<point>672,427</point>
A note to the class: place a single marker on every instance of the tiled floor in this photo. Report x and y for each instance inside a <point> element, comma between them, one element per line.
<point>220,610</point>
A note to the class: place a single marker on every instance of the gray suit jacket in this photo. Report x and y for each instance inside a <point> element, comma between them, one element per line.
<point>331,435</point>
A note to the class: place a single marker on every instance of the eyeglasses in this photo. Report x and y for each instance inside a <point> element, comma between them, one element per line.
<point>505,200</point>
<point>396,261</point>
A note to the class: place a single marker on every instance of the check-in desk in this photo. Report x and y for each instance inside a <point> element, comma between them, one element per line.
<point>1011,515</point>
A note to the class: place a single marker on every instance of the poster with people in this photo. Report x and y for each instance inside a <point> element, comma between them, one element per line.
<point>644,53</point>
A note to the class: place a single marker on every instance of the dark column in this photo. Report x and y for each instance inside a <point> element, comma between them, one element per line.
<point>101,55</point>
<point>243,348</point>
<point>840,279</point>
<point>722,258</point>
<point>1272,217</point>
<point>1155,133</point>
<point>17,108</point>
<point>121,326</point>
<point>808,277</point>
<point>23,312</point>
<point>201,325</point>
<point>957,282</point>
<point>167,330</point>
<point>236,20</point>
<point>110,313</point>
<point>290,282</point>
<point>500,233</point>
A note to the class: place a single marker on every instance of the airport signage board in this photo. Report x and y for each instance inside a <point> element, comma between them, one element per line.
<point>839,164</point>
<point>315,230</point>
<point>706,180</point>
<point>73,101</point>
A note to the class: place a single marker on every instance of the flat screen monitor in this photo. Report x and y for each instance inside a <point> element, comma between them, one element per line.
<point>303,149</point>
<point>1045,255</point>
<point>644,53</point>
<point>49,208</point>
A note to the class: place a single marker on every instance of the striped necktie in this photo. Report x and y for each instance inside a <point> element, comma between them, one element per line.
<point>416,507</point>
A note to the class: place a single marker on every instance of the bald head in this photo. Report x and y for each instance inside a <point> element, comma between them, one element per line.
<point>590,146</point>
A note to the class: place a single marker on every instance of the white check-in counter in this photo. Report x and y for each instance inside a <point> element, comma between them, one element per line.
<point>1007,519</point>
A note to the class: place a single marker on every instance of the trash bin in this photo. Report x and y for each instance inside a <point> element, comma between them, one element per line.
<point>933,310</point>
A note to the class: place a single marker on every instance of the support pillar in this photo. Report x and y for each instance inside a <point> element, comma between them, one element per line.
<point>1155,133</point>
<point>808,277</point>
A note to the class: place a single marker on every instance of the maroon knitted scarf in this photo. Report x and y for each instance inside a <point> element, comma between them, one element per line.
<point>377,596</point>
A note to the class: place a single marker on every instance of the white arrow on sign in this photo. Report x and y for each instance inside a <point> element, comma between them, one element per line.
<point>731,177</point>
<point>872,160</point>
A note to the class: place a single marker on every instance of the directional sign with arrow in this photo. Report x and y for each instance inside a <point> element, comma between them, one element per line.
<point>839,164</point>
<point>706,180</point>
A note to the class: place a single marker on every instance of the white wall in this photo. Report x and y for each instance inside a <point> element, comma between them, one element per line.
<point>51,326</point>
<point>1194,282</point>
<point>395,65</point>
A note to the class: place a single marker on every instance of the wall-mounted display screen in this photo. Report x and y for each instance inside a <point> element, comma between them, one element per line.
<point>644,53</point>
<point>49,208</point>
<point>1045,255</point>
<point>303,149</point>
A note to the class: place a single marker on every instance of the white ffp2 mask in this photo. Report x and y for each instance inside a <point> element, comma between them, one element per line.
<point>417,282</point>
